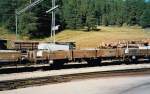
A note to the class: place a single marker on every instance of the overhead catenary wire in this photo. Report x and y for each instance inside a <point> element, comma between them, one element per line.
<point>17,13</point>
<point>29,6</point>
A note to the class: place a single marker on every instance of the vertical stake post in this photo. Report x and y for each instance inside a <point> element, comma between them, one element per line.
<point>16,16</point>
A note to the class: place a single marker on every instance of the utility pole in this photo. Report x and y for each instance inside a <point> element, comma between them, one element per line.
<point>16,17</point>
<point>53,22</point>
<point>17,13</point>
<point>53,27</point>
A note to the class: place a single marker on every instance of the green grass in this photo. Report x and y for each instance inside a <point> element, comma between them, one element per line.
<point>92,39</point>
<point>106,34</point>
<point>5,34</point>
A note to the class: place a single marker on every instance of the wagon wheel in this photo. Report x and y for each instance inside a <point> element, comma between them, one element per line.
<point>131,60</point>
<point>134,60</point>
<point>97,61</point>
<point>90,62</point>
<point>59,63</point>
<point>94,61</point>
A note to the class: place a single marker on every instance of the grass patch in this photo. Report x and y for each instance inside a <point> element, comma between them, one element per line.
<point>106,34</point>
<point>91,39</point>
<point>5,34</point>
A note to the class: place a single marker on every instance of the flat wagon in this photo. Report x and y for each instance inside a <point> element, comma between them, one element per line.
<point>25,45</point>
<point>9,56</point>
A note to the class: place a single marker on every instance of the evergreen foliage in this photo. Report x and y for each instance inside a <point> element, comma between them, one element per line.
<point>74,14</point>
<point>145,19</point>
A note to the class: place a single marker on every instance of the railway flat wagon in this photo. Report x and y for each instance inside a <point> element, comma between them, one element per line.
<point>9,56</point>
<point>61,57</point>
<point>91,56</point>
<point>110,53</point>
<point>25,45</point>
<point>33,45</point>
<point>77,54</point>
<point>135,54</point>
<point>88,55</point>
<point>56,55</point>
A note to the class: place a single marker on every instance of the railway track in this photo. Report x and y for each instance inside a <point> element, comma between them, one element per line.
<point>45,67</point>
<point>23,83</point>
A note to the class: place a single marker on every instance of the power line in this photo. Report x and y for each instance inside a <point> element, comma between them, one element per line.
<point>29,7</point>
<point>17,13</point>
